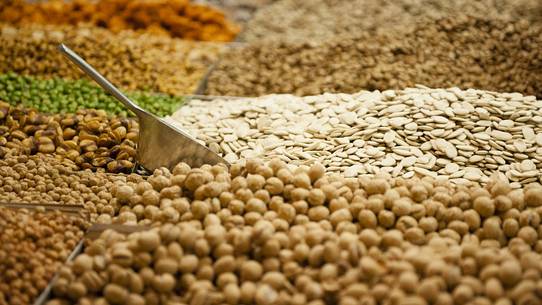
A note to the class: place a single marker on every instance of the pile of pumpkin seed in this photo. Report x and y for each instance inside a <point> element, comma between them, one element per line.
<point>461,135</point>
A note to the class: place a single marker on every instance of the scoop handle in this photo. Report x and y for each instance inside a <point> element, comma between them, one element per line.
<point>100,79</point>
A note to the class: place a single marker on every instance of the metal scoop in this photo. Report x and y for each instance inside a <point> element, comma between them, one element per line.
<point>160,144</point>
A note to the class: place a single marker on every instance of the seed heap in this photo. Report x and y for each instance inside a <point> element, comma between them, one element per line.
<point>129,60</point>
<point>460,135</point>
<point>33,245</point>
<point>177,18</point>
<point>265,234</point>
<point>42,179</point>
<point>62,96</point>
<point>89,138</point>
<point>321,20</point>
<point>467,52</point>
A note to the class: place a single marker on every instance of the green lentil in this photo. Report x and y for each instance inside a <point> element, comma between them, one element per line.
<point>57,95</point>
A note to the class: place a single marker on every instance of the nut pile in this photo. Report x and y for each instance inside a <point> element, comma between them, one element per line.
<point>129,60</point>
<point>177,18</point>
<point>42,179</point>
<point>467,52</point>
<point>321,20</point>
<point>33,245</point>
<point>89,138</point>
<point>265,234</point>
<point>63,96</point>
<point>462,135</point>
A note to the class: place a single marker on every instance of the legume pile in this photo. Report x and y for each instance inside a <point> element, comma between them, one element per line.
<point>129,60</point>
<point>401,166</point>
<point>467,52</point>
<point>34,246</point>
<point>178,18</point>
<point>60,96</point>
<point>265,234</point>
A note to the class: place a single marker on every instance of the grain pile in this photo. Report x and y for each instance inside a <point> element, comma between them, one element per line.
<point>176,18</point>
<point>460,135</point>
<point>63,96</point>
<point>466,52</point>
<point>89,138</point>
<point>42,179</point>
<point>33,245</point>
<point>129,60</point>
<point>265,234</point>
<point>321,20</point>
